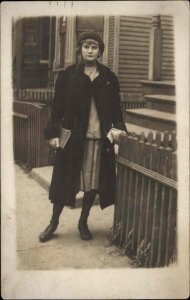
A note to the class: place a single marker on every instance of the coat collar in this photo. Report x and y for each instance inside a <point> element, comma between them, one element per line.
<point>103,73</point>
<point>81,78</point>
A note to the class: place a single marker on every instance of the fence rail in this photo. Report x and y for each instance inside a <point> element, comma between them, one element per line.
<point>46,95</point>
<point>34,95</point>
<point>145,211</point>
<point>131,105</point>
<point>30,148</point>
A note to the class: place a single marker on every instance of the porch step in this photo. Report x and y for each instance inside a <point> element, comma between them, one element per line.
<point>152,119</point>
<point>166,103</point>
<point>158,87</point>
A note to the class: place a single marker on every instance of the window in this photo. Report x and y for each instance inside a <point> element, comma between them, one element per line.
<point>44,30</point>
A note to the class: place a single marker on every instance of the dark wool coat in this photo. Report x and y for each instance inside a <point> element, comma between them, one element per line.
<point>71,107</point>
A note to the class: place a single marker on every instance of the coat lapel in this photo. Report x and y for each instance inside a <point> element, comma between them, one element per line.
<point>103,77</point>
<point>81,79</point>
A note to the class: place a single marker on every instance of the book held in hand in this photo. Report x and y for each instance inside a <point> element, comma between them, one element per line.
<point>64,137</point>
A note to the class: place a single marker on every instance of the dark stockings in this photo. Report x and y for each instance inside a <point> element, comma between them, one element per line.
<point>57,209</point>
<point>85,234</point>
<point>87,203</point>
<point>47,233</point>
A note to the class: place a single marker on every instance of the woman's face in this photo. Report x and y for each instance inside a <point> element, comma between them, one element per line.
<point>90,50</point>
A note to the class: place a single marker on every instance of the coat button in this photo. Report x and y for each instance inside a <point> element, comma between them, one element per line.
<point>107,150</point>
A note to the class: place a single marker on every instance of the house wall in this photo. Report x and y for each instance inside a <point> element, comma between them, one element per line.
<point>132,58</point>
<point>127,49</point>
<point>168,67</point>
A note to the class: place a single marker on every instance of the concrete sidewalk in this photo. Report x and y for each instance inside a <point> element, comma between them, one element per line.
<point>66,249</point>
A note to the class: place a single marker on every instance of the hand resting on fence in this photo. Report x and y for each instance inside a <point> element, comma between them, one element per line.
<point>113,135</point>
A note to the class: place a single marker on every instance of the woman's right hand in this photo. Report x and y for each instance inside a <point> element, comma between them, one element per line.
<point>54,143</point>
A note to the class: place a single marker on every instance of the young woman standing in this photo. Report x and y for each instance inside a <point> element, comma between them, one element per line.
<point>85,112</point>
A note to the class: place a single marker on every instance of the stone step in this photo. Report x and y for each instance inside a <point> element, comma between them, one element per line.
<point>152,119</point>
<point>158,87</point>
<point>166,103</point>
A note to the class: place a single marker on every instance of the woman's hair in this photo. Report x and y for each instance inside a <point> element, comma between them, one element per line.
<point>92,35</point>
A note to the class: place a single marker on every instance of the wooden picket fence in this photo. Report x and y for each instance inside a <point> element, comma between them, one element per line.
<point>30,148</point>
<point>145,211</point>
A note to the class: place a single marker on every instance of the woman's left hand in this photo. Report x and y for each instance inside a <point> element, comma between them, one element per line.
<point>114,134</point>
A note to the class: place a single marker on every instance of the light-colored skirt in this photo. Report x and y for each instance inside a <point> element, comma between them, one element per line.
<point>89,177</point>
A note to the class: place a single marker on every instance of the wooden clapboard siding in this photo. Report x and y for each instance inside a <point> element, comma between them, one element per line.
<point>133,60</point>
<point>133,53</point>
<point>111,42</point>
<point>167,48</point>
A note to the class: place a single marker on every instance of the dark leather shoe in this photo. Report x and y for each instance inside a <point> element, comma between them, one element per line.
<point>85,234</point>
<point>46,235</point>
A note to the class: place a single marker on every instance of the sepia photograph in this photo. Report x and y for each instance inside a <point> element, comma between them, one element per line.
<point>98,134</point>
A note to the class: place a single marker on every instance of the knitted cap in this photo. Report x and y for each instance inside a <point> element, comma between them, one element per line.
<point>92,35</point>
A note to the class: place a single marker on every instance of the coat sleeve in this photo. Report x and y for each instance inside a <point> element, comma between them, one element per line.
<point>57,108</point>
<point>117,115</point>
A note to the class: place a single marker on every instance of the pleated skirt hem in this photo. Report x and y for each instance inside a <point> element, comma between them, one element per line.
<point>89,177</point>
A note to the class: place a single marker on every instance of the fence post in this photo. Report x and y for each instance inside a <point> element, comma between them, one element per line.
<point>142,248</point>
<point>129,197</point>
<point>136,159</point>
<point>149,206</point>
<point>156,205</point>
<point>119,184</point>
<point>171,246</point>
<point>124,200</point>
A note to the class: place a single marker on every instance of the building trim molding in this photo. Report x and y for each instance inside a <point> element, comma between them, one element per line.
<point>70,44</point>
<point>106,40</point>
<point>56,63</point>
<point>155,50</point>
<point>116,44</point>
